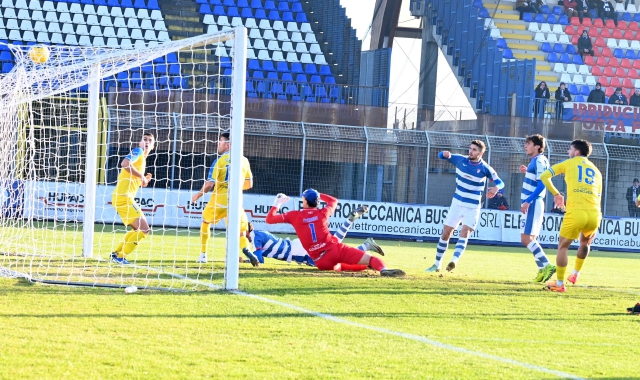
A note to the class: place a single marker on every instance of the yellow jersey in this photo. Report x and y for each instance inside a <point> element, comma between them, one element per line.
<point>584,183</point>
<point>128,184</point>
<point>219,173</point>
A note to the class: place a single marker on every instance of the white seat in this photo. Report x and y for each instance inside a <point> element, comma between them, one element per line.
<point>150,35</point>
<point>152,43</point>
<point>228,43</point>
<point>287,47</point>
<point>259,45</point>
<point>98,41</point>
<point>109,32</point>
<point>557,29</point>
<point>590,80</point>
<point>116,12</point>
<point>251,54</point>
<point>140,44</point>
<point>26,25</point>
<point>2,23</point>
<point>70,39</point>
<point>48,6</point>
<point>566,78</point>
<point>315,49</point>
<point>137,34</point>
<point>306,28</point>
<point>62,7</point>
<point>273,45</point>
<point>495,33</point>
<point>67,28</point>
<point>268,35</point>
<point>278,25</point>
<point>310,38</point>
<point>3,34</point>
<point>584,70</point>
<point>552,38</point>
<point>95,31</point>
<point>264,55</point>
<point>292,57</point>
<point>635,45</point>
<point>78,18</point>
<point>623,44</point>
<point>52,16</point>
<point>40,26</point>
<point>15,35</point>
<point>558,67</point>
<point>28,36</point>
<point>636,83</point>
<point>106,21</point>
<point>89,9</point>
<point>146,24</point>
<point>545,28</point>
<point>264,24</point>
<point>7,3</point>
<point>37,16</point>
<point>283,36</point>
<point>12,23</point>
<point>56,38</point>
<point>65,17</point>
<point>75,8</point>
<point>292,27</point>
<point>296,37</point>
<point>221,51</point>
<point>223,21</point>
<point>620,7</point>
<point>82,30</point>
<point>564,39</point>
<point>156,15</point>
<point>533,27</point>
<point>163,36</point>
<point>132,23</point>
<point>21,4</point>
<point>255,33</point>
<point>10,13</point>
<point>93,20</point>
<point>236,21</point>
<point>112,42</point>
<point>208,20</point>
<point>212,29</point>
<point>23,14</point>
<point>539,37</point>
<point>250,23</point>
<point>159,25</point>
<point>84,41</point>
<point>278,57</point>
<point>129,13</point>
<point>125,43</point>
<point>103,10</point>
<point>119,22</point>
<point>612,43</point>
<point>43,37</point>
<point>143,14</point>
<point>122,33</point>
<point>571,68</point>
<point>306,58</point>
<point>320,60</point>
<point>578,79</point>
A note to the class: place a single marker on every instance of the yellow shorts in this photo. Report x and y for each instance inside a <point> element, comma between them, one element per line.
<point>580,221</point>
<point>127,208</point>
<point>213,213</point>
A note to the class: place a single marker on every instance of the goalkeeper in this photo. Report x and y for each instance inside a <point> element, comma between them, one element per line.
<point>312,227</point>
<point>269,245</point>
<point>130,179</point>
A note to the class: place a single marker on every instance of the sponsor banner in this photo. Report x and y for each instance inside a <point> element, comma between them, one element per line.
<point>604,117</point>
<point>173,208</point>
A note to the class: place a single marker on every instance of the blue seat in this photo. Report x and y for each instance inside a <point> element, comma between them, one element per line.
<point>573,89</point>
<point>546,47</point>
<point>274,16</point>
<point>225,62</point>
<point>86,2</point>
<point>215,2</point>
<point>99,2</point>
<point>579,98</point>
<point>477,4</point>
<point>135,78</point>
<point>202,2</point>
<point>315,79</point>
<point>296,68</point>
<point>585,90</point>
<point>292,89</point>
<point>301,17</point>
<point>553,58</point>
<point>270,5</point>
<point>558,48</point>
<point>172,58</point>
<point>242,4</point>
<point>113,3</point>
<point>282,6</point>
<point>330,80</point>
<point>507,54</point>
<point>296,7</point>
<point>310,99</point>
<point>577,59</point>
<point>288,17</point>
<point>325,70</point>
<point>152,4</point>
<point>321,92</point>
<point>636,17</point>
<point>558,10</point>
<point>229,72</point>
<point>268,66</point>
<point>311,69</point>
<point>5,56</point>
<point>287,77</point>
<point>618,53</point>
<point>251,94</point>
<point>482,13</point>
<point>139,4</point>
<point>246,13</point>
<point>527,17</point>
<point>229,3</point>
<point>257,74</point>
<point>261,87</point>
<point>276,88</point>
<point>126,3</point>
<point>205,9</point>
<point>630,54</point>
<point>301,78</point>
<point>260,14</point>
<point>502,43</point>
<point>564,58</point>
<point>233,12</point>
<point>552,19</point>
<point>218,10</point>
<point>564,20</point>
<point>295,98</point>
<point>626,16</point>
<point>282,67</point>
<point>250,87</point>
<point>256,4</point>
<point>334,92</point>
<point>571,49</point>
<point>254,64</point>
<point>307,91</point>
<point>540,18</point>
<point>272,75</point>
<point>545,9</point>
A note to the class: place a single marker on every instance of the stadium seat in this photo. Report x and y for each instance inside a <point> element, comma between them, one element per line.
<point>551,37</point>
<point>573,89</point>
<point>557,48</point>
<point>621,73</point>
<point>571,49</point>
<point>564,58</point>
<point>579,98</point>
<point>633,74</point>
<point>627,83</point>
<point>558,67</point>
<point>615,82</point>
<point>552,58</point>
<point>552,19</point>
<point>526,17</point>
<point>585,90</point>
<point>571,69</point>
<point>578,79</point>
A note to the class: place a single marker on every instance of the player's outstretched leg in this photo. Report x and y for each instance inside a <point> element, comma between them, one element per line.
<point>344,228</point>
<point>372,246</point>
<point>205,233</point>
<point>342,267</point>
<point>461,245</point>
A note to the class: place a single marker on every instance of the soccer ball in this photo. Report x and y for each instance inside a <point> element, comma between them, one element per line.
<point>39,54</point>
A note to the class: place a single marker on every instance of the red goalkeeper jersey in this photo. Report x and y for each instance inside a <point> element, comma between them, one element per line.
<point>311,225</point>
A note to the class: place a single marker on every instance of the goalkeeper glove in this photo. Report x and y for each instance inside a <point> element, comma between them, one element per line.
<point>280,200</point>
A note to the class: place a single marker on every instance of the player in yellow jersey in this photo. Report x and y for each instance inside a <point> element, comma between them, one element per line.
<point>584,189</point>
<point>130,179</point>
<point>216,209</point>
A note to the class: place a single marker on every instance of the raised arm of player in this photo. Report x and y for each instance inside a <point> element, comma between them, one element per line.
<point>331,202</point>
<point>273,217</point>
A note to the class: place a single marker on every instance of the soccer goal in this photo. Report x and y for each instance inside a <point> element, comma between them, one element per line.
<point>70,116</point>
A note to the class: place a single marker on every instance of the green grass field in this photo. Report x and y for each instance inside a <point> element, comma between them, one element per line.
<point>485,320</point>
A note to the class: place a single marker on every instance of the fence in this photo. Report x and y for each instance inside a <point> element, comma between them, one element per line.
<point>357,163</point>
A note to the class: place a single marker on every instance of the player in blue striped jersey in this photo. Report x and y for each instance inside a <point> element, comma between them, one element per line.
<point>269,245</point>
<point>532,199</point>
<point>471,176</point>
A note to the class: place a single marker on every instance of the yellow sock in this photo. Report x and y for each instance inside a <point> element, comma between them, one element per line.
<point>132,242</point>
<point>579,263</point>
<point>560,271</point>
<point>244,243</point>
<point>118,250</point>
<point>204,236</point>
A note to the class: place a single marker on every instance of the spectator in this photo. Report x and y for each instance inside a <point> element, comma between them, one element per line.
<point>635,98</point>
<point>584,44</point>
<point>524,6</point>
<point>537,5</point>
<point>499,202</point>
<point>542,94</point>
<point>562,95</point>
<point>607,10</point>
<point>559,210</point>
<point>597,95</point>
<point>583,10</point>
<point>618,98</point>
<point>571,8</point>
<point>632,194</point>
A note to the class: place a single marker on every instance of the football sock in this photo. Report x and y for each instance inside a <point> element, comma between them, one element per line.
<point>244,243</point>
<point>132,242</point>
<point>364,246</point>
<point>460,247</point>
<point>538,254</point>
<point>560,271</point>
<point>578,266</point>
<point>440,250</point>
<point>118,250</point>
<point>204,236</point>
<point>351,267</point>
<point>341,232</point>
<point>376,264</point>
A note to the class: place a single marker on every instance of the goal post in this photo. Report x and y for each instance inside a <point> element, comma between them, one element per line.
<point>68,121</point>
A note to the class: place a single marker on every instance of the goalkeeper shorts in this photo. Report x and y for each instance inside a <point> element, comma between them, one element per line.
<point>338,253</point>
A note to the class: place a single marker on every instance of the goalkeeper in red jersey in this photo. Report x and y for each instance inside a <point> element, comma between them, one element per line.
<point>312,227</point>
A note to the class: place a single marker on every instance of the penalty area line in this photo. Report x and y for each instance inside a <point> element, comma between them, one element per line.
<point>413,337</point>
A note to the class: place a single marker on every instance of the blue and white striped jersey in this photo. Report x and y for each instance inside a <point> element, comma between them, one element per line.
<point>470,179</point>
<point>536,167</point>
<point>270,245</point>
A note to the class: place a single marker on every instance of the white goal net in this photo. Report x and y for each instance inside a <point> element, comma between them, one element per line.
<point>75,124</point>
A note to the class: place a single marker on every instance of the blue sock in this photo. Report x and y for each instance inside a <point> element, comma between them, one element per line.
<point>538,254</point>
<point>461,245</point>
<point>341,232</point>
<point>440,250</point>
